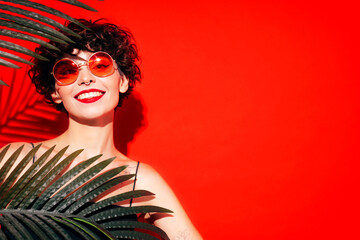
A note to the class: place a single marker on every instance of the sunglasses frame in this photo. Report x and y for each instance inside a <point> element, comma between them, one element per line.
<point>85,63</point>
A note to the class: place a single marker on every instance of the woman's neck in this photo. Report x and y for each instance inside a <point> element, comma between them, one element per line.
<point>94,136</point>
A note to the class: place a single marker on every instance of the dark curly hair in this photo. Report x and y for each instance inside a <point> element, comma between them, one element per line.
<point>102,36</point>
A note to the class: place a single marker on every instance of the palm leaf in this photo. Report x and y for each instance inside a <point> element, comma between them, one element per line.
<point>35,25</point>
<point>109,201</point>
<point>2,155</point>
<point>20,49</point>
<point>47,9</point>
<point>10,33</point>
<point>89,187</point>
<point>9,163</point>
<point>35,179</point>
<point>39,28</point>
<point>79,4</point>
<point>132,235</point>
<point>30,30</point>
<point>38,17</point>
<point>34,206</point>
<point>91,195</point>
<point>15,173</point>
<point>7,64</point>
<point>14,57</point>
<point>25,178</point>
<point>133,224</point>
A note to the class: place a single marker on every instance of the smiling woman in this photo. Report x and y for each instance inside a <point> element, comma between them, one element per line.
<point>84,77</point>
<point>88,80</point>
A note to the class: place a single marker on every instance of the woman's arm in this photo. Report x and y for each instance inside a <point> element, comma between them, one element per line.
<point>177,225</point>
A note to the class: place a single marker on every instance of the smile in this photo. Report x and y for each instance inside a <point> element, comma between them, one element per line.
<point>89,96</point>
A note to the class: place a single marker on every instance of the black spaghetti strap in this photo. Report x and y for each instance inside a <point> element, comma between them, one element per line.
<point>137,167</point>
<point>34,155</point>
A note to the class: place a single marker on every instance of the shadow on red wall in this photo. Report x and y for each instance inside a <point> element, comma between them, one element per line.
<point>129,121</point>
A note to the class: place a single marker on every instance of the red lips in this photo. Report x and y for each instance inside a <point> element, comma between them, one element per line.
<point>89,99</point>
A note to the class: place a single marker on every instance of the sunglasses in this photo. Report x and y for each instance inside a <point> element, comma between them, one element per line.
<point>66,71</point>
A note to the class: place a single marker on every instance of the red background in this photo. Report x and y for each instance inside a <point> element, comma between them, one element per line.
<point>249,109</point>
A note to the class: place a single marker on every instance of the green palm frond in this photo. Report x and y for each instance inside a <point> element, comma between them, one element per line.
<point>35,203</point>
<point>35,23</point>
<point>47,9</point>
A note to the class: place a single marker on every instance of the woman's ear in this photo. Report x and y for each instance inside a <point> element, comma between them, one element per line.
<point>124,84</point>
<point>56,97</point>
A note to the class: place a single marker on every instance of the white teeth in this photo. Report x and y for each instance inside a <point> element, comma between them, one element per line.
<point>89,95</point>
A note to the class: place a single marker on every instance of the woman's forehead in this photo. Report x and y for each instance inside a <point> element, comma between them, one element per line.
<point>77,54</point>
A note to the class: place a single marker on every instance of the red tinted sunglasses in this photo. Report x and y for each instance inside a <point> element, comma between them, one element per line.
<point>66,71</point>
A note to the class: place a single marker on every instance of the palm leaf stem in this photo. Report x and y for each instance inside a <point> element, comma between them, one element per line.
<point>56,227</point>
<point>84,228</point>
<point>19,227</point>
<point>45,227</point>
<point>6,223</point>
<point>74,228</point>
<point>105,232</point>
<point>36,229</point>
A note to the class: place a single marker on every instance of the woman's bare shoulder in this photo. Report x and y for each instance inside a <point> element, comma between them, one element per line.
<point>150,179</point>
<point>178,223</point>
<point>149,174</point>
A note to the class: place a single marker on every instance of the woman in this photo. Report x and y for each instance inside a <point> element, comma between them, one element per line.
<point>88,80</point>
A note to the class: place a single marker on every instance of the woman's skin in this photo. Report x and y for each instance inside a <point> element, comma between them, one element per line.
<point>91,128</point>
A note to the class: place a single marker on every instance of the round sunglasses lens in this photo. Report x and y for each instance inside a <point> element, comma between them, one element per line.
<point>101,64</point>
<point>65,71</point>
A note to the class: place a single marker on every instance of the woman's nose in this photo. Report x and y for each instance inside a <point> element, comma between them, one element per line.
<point>85,77</point>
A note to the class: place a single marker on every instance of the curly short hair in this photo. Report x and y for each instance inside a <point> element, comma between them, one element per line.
<point>102,36</point>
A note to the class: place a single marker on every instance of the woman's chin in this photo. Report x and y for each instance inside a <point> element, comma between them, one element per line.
<point>92,115</point>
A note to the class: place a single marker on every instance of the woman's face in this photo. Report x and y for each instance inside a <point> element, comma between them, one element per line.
<point>90,97</point>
